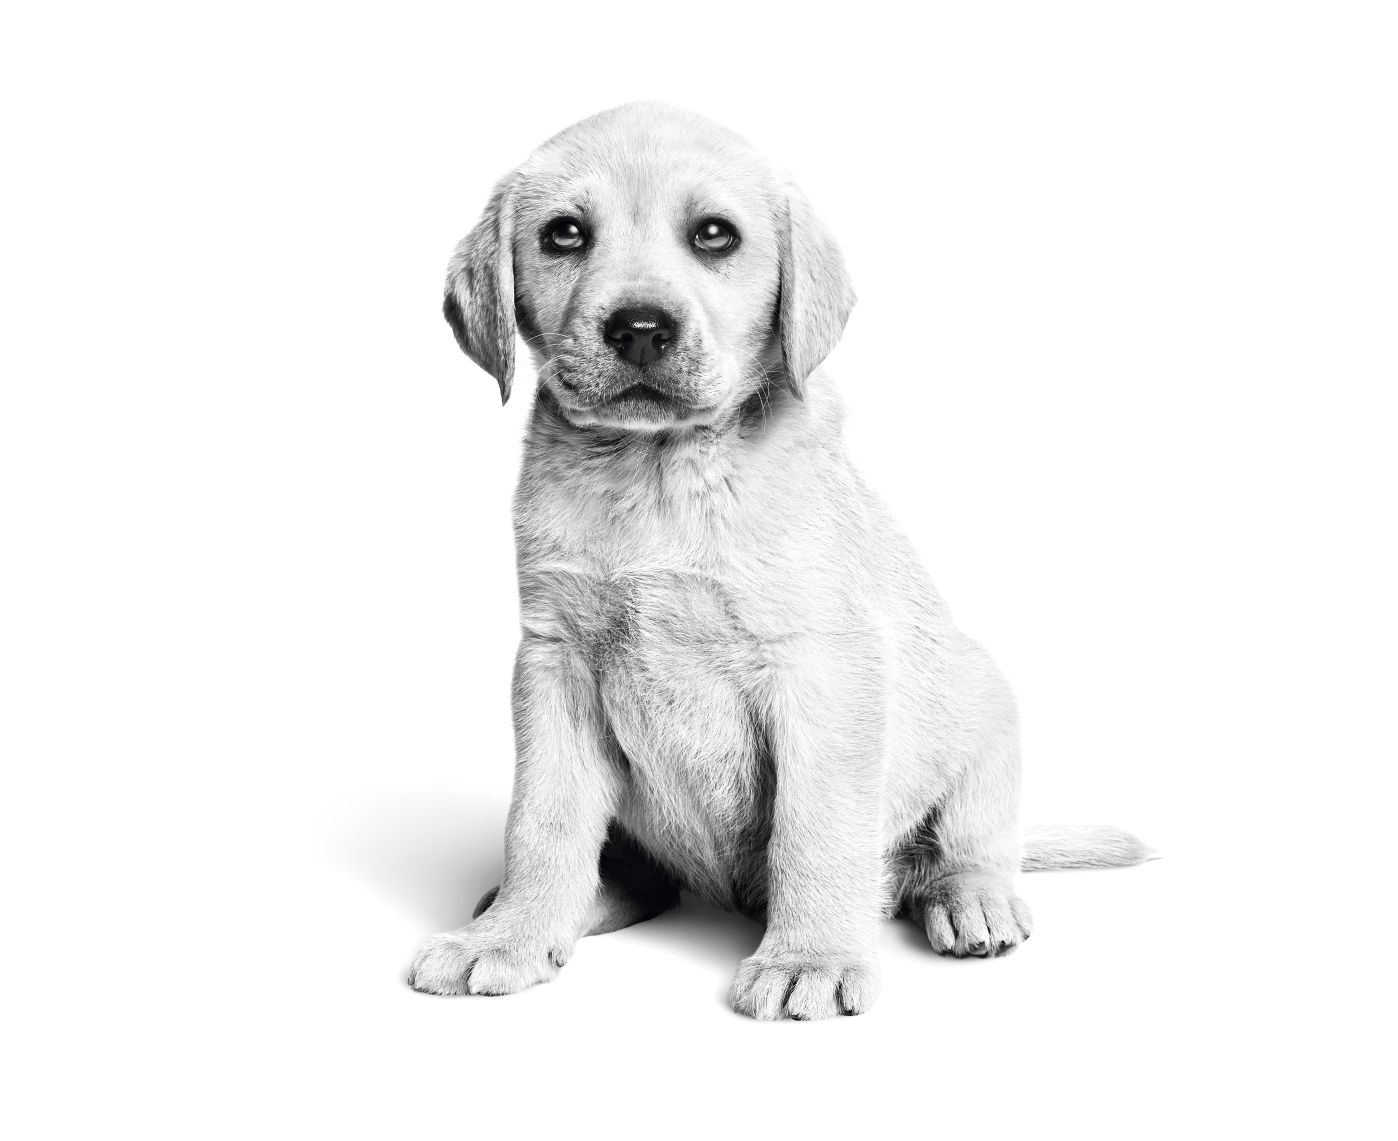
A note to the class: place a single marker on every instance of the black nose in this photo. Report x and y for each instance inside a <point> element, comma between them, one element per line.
<point>639,335</point>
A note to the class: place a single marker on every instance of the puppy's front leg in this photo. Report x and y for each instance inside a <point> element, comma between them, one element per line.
<point>565,794</point>
<point>825,881</point>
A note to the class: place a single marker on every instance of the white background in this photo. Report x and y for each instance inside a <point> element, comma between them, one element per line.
<point>1123,363</point>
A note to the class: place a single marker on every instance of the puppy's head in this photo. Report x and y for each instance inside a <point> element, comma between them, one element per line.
<point>657,269</point>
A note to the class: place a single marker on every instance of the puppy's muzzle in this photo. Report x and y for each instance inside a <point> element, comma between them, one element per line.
<point>640,336</point>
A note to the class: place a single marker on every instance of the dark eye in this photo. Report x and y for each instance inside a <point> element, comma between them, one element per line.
<point>564,235</point>
<point>715,237</point>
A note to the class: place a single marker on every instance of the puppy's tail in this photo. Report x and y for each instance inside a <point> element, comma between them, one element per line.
<point>1050,846</point>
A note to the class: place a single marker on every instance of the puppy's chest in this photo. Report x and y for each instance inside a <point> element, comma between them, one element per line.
<point>671,636</point>
<point>645,581</point>
<point>677,671</point>
<point>656,572</point>
<point>668,632</point>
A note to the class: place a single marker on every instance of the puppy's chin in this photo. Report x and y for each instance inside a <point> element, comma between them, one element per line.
<point>639,408</point>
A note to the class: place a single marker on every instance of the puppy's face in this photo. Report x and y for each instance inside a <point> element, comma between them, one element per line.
<point>646,277</point>
<point>657,270</point>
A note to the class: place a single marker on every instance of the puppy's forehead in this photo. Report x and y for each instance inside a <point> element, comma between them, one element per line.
<point>647,157</point>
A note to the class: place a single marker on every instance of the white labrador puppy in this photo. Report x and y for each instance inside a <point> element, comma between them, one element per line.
<point>734,676</point>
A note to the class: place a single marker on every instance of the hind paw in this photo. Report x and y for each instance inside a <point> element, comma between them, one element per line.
<point>975,915</point>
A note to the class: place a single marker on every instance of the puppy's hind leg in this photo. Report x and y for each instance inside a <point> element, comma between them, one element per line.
<point>955,877</point>
<point>632,887</point>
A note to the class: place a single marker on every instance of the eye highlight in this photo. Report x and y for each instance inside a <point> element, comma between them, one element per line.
<point>714,236</point>
<point>564,236</point>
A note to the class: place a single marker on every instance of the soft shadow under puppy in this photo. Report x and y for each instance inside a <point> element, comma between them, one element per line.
<point>435,855</point>
<point>430,854</point>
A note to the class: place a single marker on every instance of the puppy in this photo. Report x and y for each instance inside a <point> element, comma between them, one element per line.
<point>734,676</point>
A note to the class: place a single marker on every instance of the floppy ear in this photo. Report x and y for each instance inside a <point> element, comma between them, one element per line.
<point>480,291</point>
<point>816,294</point>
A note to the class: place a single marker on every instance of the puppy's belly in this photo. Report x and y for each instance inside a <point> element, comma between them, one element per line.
<point>699,787</point>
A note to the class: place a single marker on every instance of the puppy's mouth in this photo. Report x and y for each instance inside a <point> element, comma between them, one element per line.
<point>639,405</point>
<point>642,397</point>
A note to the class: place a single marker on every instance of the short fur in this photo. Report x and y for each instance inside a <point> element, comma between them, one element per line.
<point>734,675</point>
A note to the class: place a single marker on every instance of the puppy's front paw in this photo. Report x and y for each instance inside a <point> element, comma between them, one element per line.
<point>478,959</point>
<point>804,986</point>
<point>975,914</point>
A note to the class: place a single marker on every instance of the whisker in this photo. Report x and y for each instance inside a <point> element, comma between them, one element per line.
<point>542,336</point>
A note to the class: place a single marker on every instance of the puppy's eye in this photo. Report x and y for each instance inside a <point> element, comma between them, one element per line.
<point>715,237</point>
<point>564,235</point>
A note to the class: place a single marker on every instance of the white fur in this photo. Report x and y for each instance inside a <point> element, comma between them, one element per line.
<point>731,655</point>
